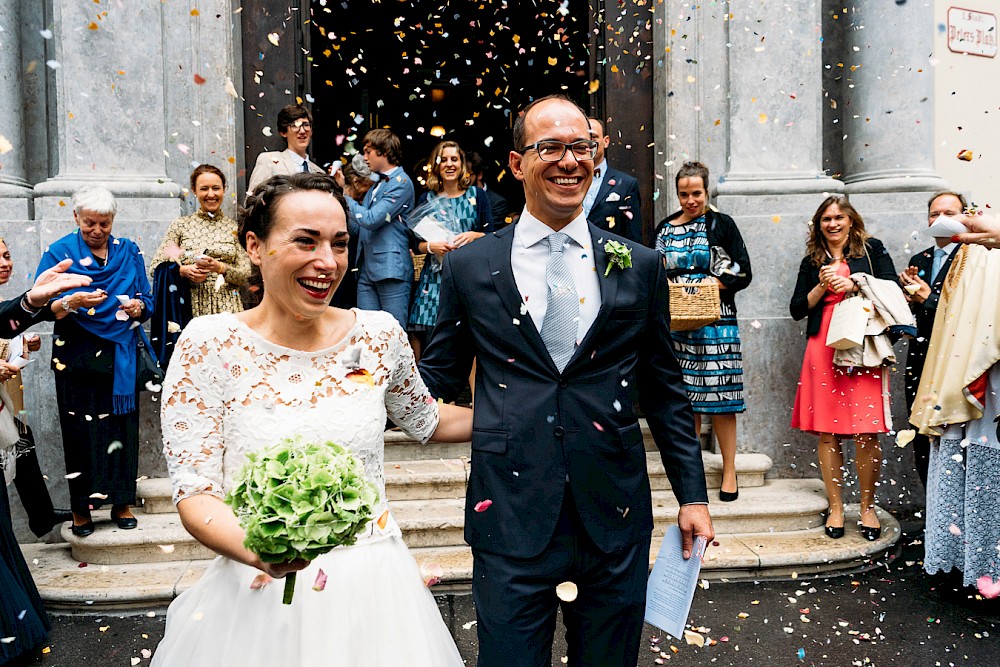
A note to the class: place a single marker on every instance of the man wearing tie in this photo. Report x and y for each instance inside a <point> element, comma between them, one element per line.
<point>295,126</point>
<point>924,277</point>
<point>385,268</point>
<point>566,339</point>
<point>612,201</point>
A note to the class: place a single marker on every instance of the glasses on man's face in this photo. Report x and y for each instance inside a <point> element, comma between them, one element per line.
<point>301,126</point>
<point>554,151</point>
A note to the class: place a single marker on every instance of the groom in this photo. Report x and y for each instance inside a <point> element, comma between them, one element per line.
<point>558,489</point>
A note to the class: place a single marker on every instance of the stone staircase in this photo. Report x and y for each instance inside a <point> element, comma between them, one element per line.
<point>775,529</point>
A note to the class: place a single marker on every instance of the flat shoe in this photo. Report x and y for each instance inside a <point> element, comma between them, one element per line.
<point>84,530</point>
<point>125,522</point>
<point>835,532</point>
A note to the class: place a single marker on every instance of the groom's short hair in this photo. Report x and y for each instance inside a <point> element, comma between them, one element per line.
<point>522,116</point>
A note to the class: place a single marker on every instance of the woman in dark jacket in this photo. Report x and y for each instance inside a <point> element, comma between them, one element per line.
<point>710,357</point>
<point>832,401</point>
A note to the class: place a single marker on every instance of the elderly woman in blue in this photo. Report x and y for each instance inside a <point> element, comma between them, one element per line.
<point>96,337</point>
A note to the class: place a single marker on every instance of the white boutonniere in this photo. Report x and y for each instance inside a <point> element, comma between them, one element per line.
<point>619,255</point>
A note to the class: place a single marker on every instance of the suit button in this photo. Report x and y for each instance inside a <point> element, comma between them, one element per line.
<point>559,432</point>
<point>563,384</point>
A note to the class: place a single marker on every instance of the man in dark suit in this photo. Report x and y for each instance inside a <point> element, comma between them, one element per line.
<point>566,339</point>
<point>385,267</point>
<point>922,281</point>
<point>612,202</point>
<point>498,204</point>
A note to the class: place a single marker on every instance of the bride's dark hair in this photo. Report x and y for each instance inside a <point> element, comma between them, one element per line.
<point>257,214</point>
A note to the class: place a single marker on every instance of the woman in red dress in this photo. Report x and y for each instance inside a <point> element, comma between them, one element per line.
<point>832,401</point>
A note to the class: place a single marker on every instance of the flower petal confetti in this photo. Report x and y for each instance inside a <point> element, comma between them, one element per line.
<point>320,583</point>
<point>483,505</point>
<point>567,591</point>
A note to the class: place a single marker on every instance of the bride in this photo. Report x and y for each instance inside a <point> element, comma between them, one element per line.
<point>293,366</point>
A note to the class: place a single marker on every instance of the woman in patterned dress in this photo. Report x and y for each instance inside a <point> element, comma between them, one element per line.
<point>464,209</point>
<point>711,356</point>
<point>204,244</point>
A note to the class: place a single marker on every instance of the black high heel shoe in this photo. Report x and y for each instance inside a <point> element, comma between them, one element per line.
<point>871,534</point>
<point>727,496</point>
<point>834,532</point>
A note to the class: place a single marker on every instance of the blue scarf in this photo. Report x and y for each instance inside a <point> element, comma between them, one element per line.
<point>124,273</point>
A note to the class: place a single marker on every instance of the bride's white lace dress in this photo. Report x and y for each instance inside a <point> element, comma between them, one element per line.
<point>228,392</point>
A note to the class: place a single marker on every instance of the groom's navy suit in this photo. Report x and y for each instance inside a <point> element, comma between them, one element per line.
<point>552,449</point>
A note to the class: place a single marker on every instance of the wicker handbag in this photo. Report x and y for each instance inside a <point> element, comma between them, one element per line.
<point>693,305</point>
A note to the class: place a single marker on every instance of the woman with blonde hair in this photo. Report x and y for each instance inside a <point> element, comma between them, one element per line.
<point>463,210</point>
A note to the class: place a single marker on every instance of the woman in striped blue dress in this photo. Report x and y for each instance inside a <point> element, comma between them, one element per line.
<point>710,357</point>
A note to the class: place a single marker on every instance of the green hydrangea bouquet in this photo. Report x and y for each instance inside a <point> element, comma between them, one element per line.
<point>298,500</point>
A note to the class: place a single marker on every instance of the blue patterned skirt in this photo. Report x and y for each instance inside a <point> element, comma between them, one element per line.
<point>711,359</point>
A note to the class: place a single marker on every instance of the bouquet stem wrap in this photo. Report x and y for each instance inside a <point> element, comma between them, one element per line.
<point>298,500</point>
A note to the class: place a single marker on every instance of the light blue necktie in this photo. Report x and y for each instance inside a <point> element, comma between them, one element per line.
<point>937,264</point>
<point>562,311</point>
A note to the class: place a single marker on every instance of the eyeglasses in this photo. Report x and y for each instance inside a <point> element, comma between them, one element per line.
<point>554,151</point>
<point>301,126</point>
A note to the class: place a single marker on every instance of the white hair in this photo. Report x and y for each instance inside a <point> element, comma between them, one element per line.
<point>96,199</point>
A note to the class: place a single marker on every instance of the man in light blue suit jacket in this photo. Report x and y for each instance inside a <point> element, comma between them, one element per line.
<point>385,269</point>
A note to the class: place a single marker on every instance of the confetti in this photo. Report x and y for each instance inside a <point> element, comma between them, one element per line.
<point>567,591</point>
<point>695,638</point>
<point>965,155</point>
<point>483,505</point>
<point>5,145</point>
<point>274,38</point>
<point>383,520</point>
<point>362,377</point>
<point>905,437</point>
<point>432,573</point>
<point>320,583</point>
<point>988,588</point>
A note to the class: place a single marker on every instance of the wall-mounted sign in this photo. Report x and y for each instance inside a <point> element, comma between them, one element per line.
<point>972,32</point>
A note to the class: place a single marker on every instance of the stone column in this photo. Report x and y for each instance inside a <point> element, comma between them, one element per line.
<point>773,183</point>
<point>13,185</point>
<point>889,119</point>
<point>775,89</point>
<point>107,115</point>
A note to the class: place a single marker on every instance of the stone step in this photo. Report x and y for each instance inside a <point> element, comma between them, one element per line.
<point>777,506</point>
<point>66,584</point>
<point>432,479</point>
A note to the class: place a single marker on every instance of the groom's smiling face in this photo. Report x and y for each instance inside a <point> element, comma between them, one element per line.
<point>554,191</point>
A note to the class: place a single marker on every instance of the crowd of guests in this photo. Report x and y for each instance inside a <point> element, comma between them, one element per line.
<point>388,249</point>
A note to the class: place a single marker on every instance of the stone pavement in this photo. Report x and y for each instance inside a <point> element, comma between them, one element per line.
<point>891,614</point>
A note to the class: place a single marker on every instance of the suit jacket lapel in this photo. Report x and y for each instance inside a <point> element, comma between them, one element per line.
<point>943,273</point>
<point>503,280</point>
<point>609,292</point>
<point>605,189</point>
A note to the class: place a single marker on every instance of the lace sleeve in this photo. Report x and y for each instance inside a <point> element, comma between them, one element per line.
<point>192,415</point>
<point>407,400</point>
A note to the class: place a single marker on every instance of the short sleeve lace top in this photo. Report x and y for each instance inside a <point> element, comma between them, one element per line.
<point>229,391</point>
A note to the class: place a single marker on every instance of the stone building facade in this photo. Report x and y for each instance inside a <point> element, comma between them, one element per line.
<point>784,102</point>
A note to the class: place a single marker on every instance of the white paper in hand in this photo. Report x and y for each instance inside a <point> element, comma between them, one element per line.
<point>945,227</point>
<point>672,583</point>
<point>431,230</point>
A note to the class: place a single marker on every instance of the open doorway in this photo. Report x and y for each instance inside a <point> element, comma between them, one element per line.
<point>433,70</point>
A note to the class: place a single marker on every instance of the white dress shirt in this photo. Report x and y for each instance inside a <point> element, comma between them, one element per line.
<point>529,254</point>
<point>595,187</point>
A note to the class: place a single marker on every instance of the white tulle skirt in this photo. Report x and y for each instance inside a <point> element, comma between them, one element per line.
<point>375,611</point>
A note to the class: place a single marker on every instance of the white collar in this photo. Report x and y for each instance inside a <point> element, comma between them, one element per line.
<point>295,156</point>
<point>948,249</point>
<point>530,230</point>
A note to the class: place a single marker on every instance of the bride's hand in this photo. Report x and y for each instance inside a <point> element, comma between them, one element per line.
<point>280,570</point>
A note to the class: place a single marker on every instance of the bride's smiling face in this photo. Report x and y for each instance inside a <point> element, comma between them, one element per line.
<point>304,256</point>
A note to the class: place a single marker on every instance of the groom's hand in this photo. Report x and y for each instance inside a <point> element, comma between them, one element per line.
<point>694,521</point>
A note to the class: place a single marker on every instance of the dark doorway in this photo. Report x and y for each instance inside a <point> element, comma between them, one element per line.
<point>433,70</point>
<point>464,66</point>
